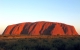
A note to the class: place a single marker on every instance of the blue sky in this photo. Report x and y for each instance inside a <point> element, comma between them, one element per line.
<point>17,11</point>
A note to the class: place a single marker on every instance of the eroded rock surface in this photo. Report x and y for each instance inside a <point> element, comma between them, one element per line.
<point>40,28</point>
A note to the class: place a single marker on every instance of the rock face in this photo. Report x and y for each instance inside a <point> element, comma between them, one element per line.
<point>40,28</point>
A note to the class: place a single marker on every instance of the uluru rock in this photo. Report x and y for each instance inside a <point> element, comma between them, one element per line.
<point>40,28</point>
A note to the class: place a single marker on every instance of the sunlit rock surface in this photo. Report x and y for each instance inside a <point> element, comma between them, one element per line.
<point>40,28</point>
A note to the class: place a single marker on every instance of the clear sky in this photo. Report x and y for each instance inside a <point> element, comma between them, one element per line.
<point>17,11</point>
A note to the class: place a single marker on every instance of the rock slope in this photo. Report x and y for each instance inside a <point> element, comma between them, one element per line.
<point>40,28</point>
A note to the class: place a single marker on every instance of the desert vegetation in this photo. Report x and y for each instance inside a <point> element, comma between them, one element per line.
<point>40,43</point>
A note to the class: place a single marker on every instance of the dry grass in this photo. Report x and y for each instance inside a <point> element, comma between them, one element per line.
<point>29,36</point>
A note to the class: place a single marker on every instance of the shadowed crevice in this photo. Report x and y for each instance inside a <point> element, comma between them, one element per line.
<point>48,30</point>
<point>26,30</point>
<point>33,27</point>
<point>42,28</point>
<point>13,28</point>
<point>64,28</point>
<point>29,27</point>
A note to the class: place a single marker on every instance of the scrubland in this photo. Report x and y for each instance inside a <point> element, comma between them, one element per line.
<point>44,42</point>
